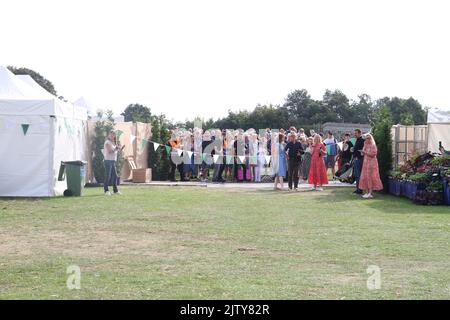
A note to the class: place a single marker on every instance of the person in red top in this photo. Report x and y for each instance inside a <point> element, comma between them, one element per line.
<point>370,176</point>
<point>317,172</point>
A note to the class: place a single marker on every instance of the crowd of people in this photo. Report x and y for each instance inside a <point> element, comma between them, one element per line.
<point>246,156</point>
<point>240,156</point>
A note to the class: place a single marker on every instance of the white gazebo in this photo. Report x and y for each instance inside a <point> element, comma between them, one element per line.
<point>37,131</point>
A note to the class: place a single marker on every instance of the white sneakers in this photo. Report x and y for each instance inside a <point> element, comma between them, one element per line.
<point>367,196</point>
<point>108,193</point>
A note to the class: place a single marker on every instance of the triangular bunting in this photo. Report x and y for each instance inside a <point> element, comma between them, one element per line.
<point>216,157</point>
<point>25,127</point>
<point>229,159</point>
<point>267,159</point>
<point>242,158</point>
<point>168,149</point>
<point>155,146</point>
<point>190,153</point>
<point>118,134</point>
<point>143,143</point>
<point>179,152</point>
<point>132,138</point>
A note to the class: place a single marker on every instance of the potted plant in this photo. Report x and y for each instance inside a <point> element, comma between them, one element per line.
<point>394,182</point>
<point>446,182</point>
<point>421,179</point>
<point>435,192</point>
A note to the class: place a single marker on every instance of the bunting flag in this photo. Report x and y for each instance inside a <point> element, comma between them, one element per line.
<point>25,127</point>
<point>168,149</point>
<point>143,143</point>
<point>328,149</point>
<point>179,152</point>
<point>118,134</point>
<point>229,159</point>
<point>267,159</point>
<point>242,158</point>
<point>353,140</point>
<point>190,153</point>
<point>155,146</point>
<point>203,155</point>
<point>132,138</point>
<point>216,157</point>
<point>341,145</point>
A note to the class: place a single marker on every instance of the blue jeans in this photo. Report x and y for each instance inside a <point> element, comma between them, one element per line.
<point>357,167</point>
<point>110,175</point>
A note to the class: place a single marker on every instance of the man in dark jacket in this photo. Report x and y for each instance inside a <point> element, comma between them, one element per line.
<point>294,150</point>
<point>358,159</point>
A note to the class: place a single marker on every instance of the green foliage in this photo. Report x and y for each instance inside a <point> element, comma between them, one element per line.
<point>435,186</point>
<point>396,174</point>
<point>300,109</point>
<point>419,178</point>
<point>158,160</point>
<point>441,161</point>
<point>406,119</point>
<point>382,134</point>
<point>43,82</point>
<point>137,113</point>
<point>404,108</point>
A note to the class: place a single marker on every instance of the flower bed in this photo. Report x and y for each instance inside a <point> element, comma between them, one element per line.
<point>424,179</point>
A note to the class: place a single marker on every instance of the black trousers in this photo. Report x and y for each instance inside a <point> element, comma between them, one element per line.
<point>173,169</point>
<point>293,166</point>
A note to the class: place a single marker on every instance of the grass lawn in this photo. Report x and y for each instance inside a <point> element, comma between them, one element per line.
<point>199,243</point>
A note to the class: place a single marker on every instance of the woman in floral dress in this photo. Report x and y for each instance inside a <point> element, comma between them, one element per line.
<point>370,177</point>
<point>317,171</point>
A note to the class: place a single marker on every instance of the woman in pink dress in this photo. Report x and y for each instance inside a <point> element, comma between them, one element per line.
<point>370,176</point>
<point>317,172</point>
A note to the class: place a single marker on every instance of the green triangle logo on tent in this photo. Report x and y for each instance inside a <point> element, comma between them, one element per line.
<point>25,127</point>
<point>168,149</point>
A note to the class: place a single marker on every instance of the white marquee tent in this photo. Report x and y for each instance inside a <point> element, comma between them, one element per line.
<point>37,132</point>
<point>438,129</point>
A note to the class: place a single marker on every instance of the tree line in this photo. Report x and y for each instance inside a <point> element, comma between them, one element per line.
<point>300,110</point>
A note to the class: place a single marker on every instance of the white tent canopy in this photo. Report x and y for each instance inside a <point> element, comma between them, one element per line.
<point>438,115</point>
<point>86,104</point>
<point>438,128</point>
<point>38,131</point>
<point>30,81</point>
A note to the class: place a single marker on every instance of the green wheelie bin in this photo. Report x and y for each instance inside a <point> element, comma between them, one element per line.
<point>74,173</point>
